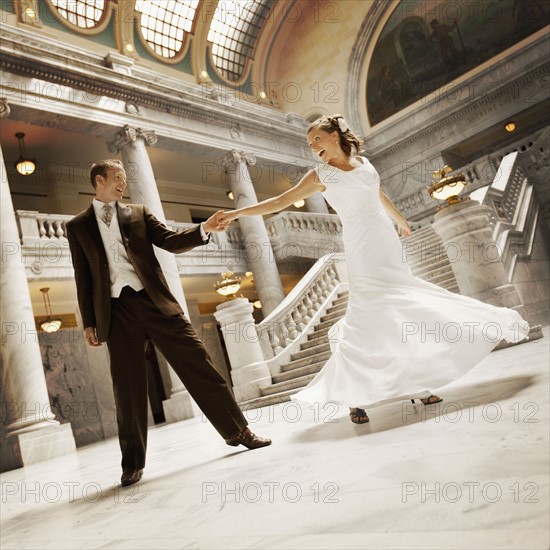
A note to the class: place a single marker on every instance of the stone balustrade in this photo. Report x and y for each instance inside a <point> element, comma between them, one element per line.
<point>296,235</point>
<point>45,249</point>
<point>513,212</point>
<point>419,207</point>
<point>285,328</point>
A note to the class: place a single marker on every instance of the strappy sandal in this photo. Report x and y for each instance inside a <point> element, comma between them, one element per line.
<point>431,400</point>
<point>358,416</point>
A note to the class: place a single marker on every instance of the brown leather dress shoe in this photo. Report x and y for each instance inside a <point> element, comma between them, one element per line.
<point>248,439</point>
<point>129,477</point>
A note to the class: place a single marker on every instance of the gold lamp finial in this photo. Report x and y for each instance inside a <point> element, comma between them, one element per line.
<point>447,188</point>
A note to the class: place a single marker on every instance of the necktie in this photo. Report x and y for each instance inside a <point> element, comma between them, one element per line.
<point>107,215</point>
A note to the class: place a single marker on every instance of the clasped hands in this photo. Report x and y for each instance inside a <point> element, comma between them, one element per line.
<point>218,221</point>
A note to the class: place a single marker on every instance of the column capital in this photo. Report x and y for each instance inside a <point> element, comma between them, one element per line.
<point>4,107</point>
<point>127,135</point>
<point>234,157</point>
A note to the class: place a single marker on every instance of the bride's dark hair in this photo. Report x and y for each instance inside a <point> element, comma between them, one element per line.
<point>329,124</point>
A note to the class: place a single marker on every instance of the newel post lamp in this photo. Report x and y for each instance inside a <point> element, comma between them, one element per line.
<point>229,285</point>
<point>445,187</point>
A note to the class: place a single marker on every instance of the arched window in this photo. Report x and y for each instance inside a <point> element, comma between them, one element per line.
<point>164,22</point>
<point>85,14</point>
<point>233,32</point>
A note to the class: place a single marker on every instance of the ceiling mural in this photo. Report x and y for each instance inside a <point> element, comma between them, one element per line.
<point>427,44</point>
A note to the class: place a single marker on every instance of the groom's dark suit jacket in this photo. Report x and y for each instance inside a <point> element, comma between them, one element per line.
<point>140,230</point>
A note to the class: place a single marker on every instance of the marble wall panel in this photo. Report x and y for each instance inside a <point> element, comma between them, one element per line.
<point>70,385</point>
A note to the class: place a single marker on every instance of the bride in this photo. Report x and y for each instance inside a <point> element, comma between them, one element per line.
<point>400,335</point>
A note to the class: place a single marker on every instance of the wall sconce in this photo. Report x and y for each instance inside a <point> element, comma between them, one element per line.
<point>300,204</point>
<point>257,304</point>
<point>229,285</point>
<point>510,126</point>
<point>25,166</point>
<point>50,324</point>
<point>230,195</point>
<point>447,188</point>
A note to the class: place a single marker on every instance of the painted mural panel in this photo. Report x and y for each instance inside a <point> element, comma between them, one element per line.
<point>427,44</point>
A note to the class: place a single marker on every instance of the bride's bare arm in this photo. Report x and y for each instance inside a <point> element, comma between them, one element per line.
<point>395,215</point>
<point>306,187</point>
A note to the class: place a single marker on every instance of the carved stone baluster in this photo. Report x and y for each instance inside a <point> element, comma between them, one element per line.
<point>58,229</point>
<point>297,319</point>
<point>290,325</point>
<point>309,306</point>
<point>323,284</point>
<point>277,339</point>
<point>303,312</point>
<point>318,293</point>
<point>41,228</point>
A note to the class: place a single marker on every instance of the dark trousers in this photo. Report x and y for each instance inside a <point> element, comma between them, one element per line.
<point>134,318</point>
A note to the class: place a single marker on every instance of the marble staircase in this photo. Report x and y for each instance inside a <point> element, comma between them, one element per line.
<point>426,256</point>
<point>424,253</point>
<point>304,364</point>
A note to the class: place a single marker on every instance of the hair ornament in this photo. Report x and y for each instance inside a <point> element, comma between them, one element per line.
<point>343,125</point>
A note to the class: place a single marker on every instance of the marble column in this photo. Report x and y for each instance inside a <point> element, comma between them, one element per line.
<point>31,432</point>
<point>316,203</point>
<point>132,144</point>
<point>249,371</point>
<point>474,255</point>
<point>260,257</point>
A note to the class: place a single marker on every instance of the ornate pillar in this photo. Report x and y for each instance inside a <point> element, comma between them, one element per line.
<point>31,432</point>
<point>316,203</point>
<point>260,257</point>
<point>132,144</point>
<point>474,255</point>
<point>249,371</point>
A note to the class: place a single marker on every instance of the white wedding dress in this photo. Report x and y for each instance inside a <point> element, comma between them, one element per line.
<point>401,336</point>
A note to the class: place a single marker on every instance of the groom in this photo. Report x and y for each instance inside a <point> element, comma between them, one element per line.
<point>124,299</point>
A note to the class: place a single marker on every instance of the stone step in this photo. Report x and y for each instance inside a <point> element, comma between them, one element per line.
<point>426,249</point>
<point>344,294</point>
<point>438,278</point>
<point>318,333</point>
<point>340,307</point>
<point>293,384</point>
<point>299,372</point>
<point>316,340</point>
<point>339,301</point>
<point>324,325</point>
<point>428,266</point>
<point>333,316</point>
<point>430,253</point>
<point>305,361</point>
<point>310,350</point>
<point>259,402</point>
<point>421,230</point>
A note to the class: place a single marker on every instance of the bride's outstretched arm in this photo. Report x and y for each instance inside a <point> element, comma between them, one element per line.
<point>395,215</point>
<point>306,187</point>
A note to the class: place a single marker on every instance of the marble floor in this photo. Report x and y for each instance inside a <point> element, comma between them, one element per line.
<point>471,472</point>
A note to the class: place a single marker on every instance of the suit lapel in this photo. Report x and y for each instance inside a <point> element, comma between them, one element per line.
<point>124,213</point>
<point>92,230</point>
